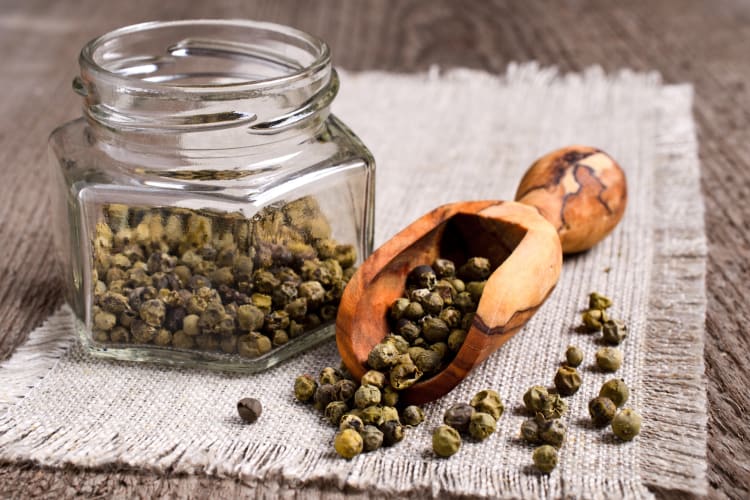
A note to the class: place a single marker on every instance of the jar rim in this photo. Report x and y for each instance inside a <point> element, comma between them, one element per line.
<point>319,49</point>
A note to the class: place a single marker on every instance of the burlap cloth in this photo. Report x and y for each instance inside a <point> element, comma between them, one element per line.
<point>438,138</point>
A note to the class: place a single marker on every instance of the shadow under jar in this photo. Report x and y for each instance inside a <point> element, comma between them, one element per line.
<point>211,210</point>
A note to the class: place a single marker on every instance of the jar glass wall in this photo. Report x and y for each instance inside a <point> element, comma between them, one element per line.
<point>210,209</point>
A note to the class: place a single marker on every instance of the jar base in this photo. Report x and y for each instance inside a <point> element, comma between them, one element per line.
<point>199,359</point>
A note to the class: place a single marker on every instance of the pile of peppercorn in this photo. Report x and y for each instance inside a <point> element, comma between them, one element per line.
<point>429,325</point>
<point>194,279</point>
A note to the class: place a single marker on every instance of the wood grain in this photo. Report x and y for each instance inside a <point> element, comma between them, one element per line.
<point>703,42</point>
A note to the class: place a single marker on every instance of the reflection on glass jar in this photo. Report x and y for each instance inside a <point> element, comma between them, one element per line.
<point>211,210</point>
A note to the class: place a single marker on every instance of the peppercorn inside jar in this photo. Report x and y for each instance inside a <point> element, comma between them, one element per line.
<point>212,218</point>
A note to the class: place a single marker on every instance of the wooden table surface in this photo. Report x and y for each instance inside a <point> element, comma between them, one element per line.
<point>705,43</point>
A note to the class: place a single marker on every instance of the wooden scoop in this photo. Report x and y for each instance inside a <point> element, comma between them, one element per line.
<point>525,248</point>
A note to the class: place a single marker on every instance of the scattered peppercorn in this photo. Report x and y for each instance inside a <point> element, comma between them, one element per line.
<point>249,409</point>
<point>627,424</point>
<point>602,411</point>
<point>445,441</point>
<point>615,390</point>
<point>348,443</point>
<point>412,415</point>
<point>567,380</point>
<point>614,331</point>
<point>573,356</point>
<point>609,359</point>
<point>488,401</point>
<point>481,426</point>
<point>545,458</point>
<point>459,416</point>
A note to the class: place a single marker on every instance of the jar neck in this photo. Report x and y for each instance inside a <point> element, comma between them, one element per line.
<point>205,84</point>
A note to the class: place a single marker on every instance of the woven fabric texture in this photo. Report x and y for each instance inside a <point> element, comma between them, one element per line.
<point>437,138</point>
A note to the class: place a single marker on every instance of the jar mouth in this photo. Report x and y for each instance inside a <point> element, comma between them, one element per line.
<point>203,72</point>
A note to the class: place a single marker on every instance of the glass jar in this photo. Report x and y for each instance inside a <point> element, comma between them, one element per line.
<point>210,208</point>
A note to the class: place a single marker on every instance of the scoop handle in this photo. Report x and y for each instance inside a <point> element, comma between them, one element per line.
<point>581,190</point>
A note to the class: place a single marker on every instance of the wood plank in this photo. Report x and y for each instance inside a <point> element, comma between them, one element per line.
<point>703,42</point>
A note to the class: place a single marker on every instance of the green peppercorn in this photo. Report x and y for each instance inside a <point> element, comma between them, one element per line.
<point>372,438</point>
<point>488,401</point>
<point>609,359</point>
<point>412,415</point>
<point>615,390</point>
<point>614,331</point>
<point>467,321</point>
<point>434,329</point>
<point>457,284</point>
<point>393,432</point>
<point>593,319</point>
<point>351,421</point>
<point>390,413</point>
<point>367,395</point>
<point>153,312</point>
<point>459,416</point>
<point>142,332</point>
<point>296,309</point>
<point>348,443</point>
<point>602,411</point>
<point>475,289</point>
<point>402,345</point>
<point>441,348</point>
<point>481,425</point>
<point>334,411</point>
<point>253,345</point>
<point>545,458</point>
<point>328,375</point>
<point>432,303</point>
<point>552,433</point>
<point>121,335</point>
<point>627,424</point>
<point>465,302</point>
<point>413,311</point>
<point>404,375</point>
<point>475,269</point>
<point>445,441</point>
<point>345,389</point>
<point>444,268</point>
<point>573,356</point>
<point>422,277</point>
<point>304,388</point>
<point>456,339</point>
<point>597,301</point>
<point>114,303</point>
<point>372,415</point>
<point>451,317</point>
<point>408,329</point>
<point>104,321</point>
<point>530,431</point>
<point>446,292</point>
<point>163,337</point>
<point>390,396</point>
<point>190,325</point>
<point>426,360</point>
<point>554,406</point>
<point>534,398</point>
<point>382,356</point>
<point>324,395</point>
<point>373,377</point>
<point>567,380</point>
